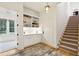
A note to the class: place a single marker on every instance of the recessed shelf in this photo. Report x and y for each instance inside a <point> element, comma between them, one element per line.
<point>30,21</point>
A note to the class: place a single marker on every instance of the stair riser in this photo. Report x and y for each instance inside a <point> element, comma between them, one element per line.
<point>71,34</point>
<point>71,37</point>
<point>75,47</point>
<point>73,42</point>
<point>68,38</point>
<point>76,26</point>
<point>68,53</point>
<point>73,24</point>
<point>73,21</point>
<point>74,52</point>
<point>71,28</point>
<point>68,31</point>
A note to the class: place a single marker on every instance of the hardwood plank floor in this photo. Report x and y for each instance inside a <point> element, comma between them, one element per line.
<point>39,49</point>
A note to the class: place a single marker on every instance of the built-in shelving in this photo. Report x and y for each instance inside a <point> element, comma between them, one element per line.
<point>30,21</point>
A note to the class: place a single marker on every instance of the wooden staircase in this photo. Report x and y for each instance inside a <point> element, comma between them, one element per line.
<point>69,39</point>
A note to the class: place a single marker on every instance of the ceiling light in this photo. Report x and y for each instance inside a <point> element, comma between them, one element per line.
<point>47,8</point>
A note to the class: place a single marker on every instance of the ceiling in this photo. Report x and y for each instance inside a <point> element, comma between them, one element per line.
<point>38,6</point>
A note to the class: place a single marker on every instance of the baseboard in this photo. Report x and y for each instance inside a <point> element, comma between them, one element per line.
<point>49,45</point>
<point>9,52</point>
<point>32,45</point>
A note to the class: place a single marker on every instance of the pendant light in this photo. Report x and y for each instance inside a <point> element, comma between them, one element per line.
<point>47,8</point>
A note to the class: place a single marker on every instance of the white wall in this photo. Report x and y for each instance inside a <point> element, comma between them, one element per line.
<point>48,22</point>
<point>61,18</point>
<point>19,8</point>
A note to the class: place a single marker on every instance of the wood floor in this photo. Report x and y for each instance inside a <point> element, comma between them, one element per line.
<point>35,50</point>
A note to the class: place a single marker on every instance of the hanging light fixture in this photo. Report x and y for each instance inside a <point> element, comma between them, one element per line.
<point>47,8</point>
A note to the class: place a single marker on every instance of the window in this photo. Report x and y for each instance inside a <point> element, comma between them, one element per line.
<point>2,26</point>
<point>11,26</point>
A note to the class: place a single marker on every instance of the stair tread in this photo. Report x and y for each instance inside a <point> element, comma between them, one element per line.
<point>71,36</point>
<point>69,43</point>
<point>72,25</point>
<point>71,33</point>
<point>68,48</point>
<point>67,52</point>
<point>72,46</point>
<point>71,28</point>
<point>69,39</point>
<point>74,42</point>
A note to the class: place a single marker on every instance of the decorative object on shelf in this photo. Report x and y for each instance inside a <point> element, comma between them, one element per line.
<point>30,21</point>
<point>35,24</point>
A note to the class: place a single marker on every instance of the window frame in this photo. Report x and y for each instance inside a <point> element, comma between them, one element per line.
<point>4,26</point>
<point>10,28</point>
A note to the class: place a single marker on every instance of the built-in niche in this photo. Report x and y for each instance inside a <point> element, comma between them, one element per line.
<point>29,21</point>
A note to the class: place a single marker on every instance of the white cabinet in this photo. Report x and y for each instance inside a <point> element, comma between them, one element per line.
<point>32,39</point>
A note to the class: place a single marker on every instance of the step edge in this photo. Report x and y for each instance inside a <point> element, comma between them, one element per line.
<point>68,48</point>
